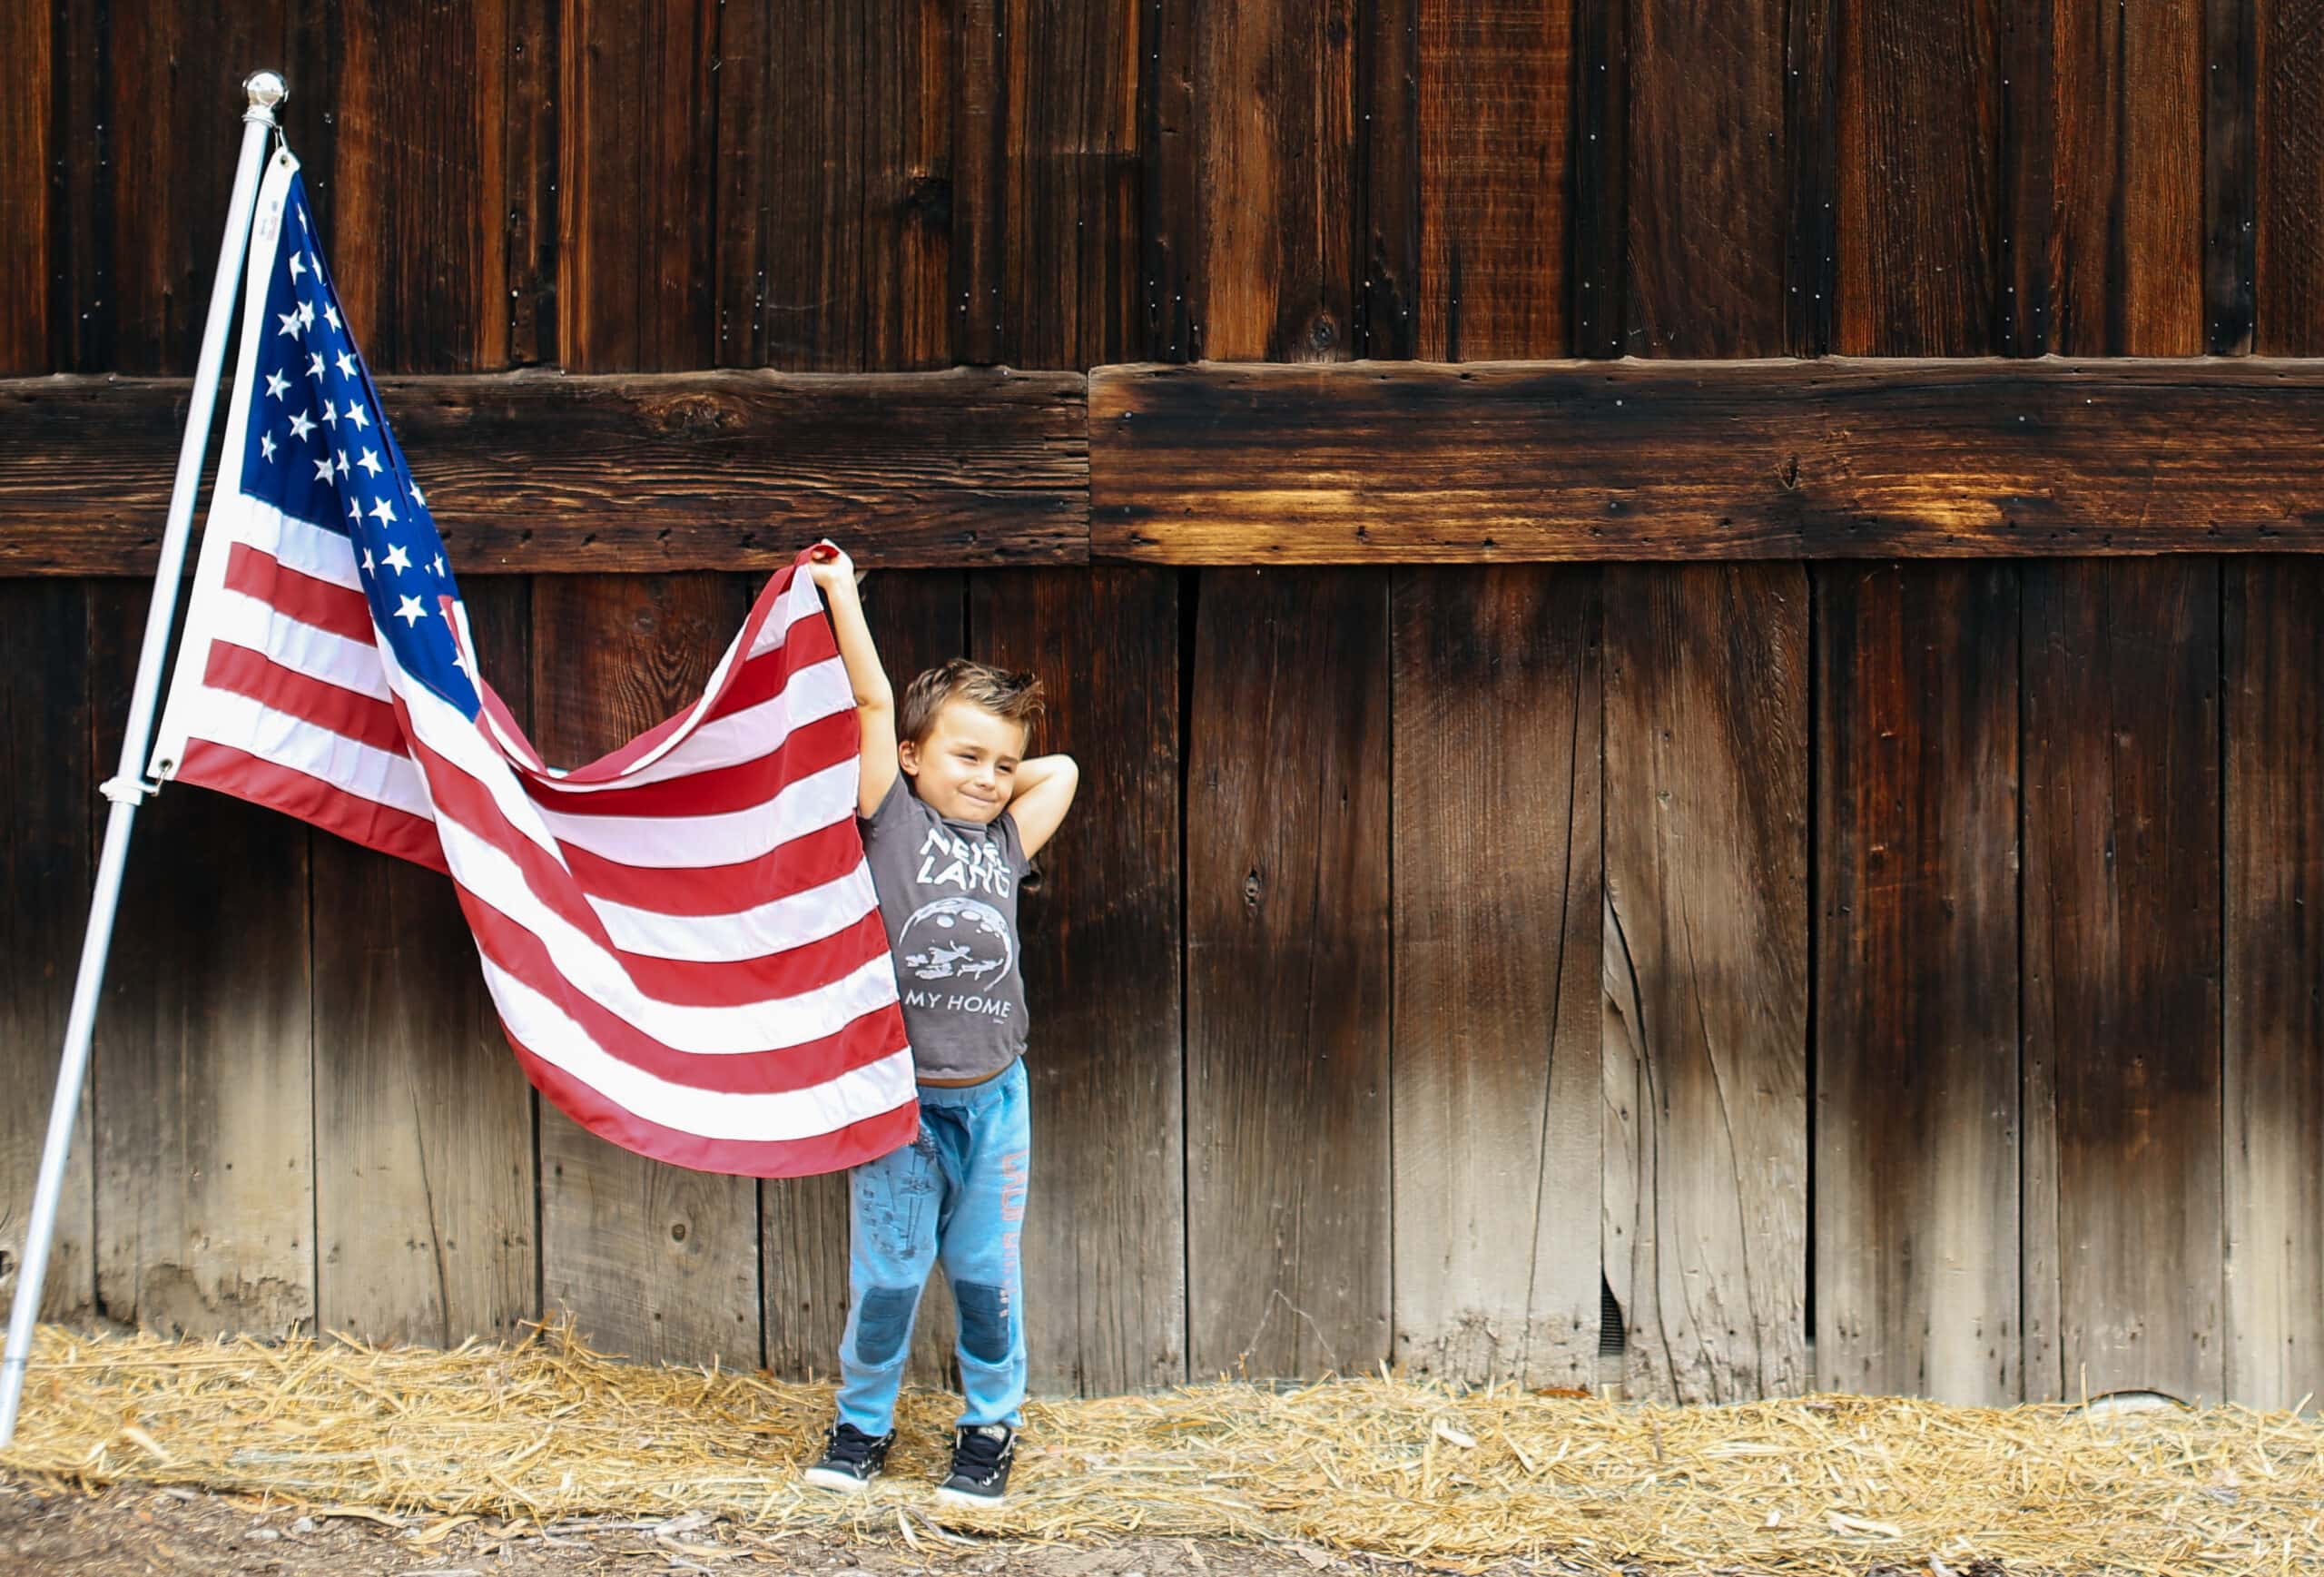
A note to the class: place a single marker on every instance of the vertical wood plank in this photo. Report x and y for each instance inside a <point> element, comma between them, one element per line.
<point>25,116</point>
<point>1916,1081</point>
<point>534,144</point>
<point>1495,105</point>
<point>2121,977</point>
<point>1276,151</point>
<point>636,132</point>
<point>1706,686</point>
<point>653,1260</point>
<point>1287,1001</point>
<point>918,620</point>
<point>1706,737</point>
<point>204,1133</point>
<point>410,175</point>
<point>835,186</point>
<point>425,1189</point>
<point>1916,1088</point>
<point>2273,681</point>
<point>1707,180</point>
<point>1920,204</point>
<point>174,113</point>
<point>2274,957</point>
<point>46,857</point>
<point>1497,1028</point>
<point>1105,1237</point>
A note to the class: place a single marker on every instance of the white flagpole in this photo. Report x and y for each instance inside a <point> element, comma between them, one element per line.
<point>264,91</point>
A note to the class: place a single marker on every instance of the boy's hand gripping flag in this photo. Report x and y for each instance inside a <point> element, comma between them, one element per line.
<point>681,939</point>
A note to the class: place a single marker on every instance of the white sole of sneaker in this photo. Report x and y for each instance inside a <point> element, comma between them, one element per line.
<point>844,1484</point>
<point>953,1497</point>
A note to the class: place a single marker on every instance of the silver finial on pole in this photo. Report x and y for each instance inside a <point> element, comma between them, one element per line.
<point>265,89</point>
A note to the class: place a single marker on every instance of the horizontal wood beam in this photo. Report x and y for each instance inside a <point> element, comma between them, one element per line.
<point>1840,457</point>
<point>1837,457</point>
<point>541,472</point>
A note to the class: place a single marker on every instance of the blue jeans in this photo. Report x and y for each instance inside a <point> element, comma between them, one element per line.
<point>956,1193</point>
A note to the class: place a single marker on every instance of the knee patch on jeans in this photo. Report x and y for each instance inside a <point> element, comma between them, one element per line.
<point>883,1323</point>
<point>984,1322</point>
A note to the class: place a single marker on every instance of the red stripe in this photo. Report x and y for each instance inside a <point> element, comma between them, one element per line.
<point>865,1139</point>
<point>257,573</point>
<point>346,712</point>
<point>505,719</point>
<point>808,860</point>
<point>811,747</point>
<point>310,799</point>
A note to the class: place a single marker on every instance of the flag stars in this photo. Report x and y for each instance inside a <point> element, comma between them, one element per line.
<point>383,512</point>
<point>416,497</point>
<point>298,266</point>
<point>355,414</point>
<point>266,445</point>
<point>276,384</point>
<point>307,314</point>
<point>367,561</point>
<point>437,565</point>
<point>397,559</point>
<point>370,462</point>
<point>342,462</point>
<point>301,426</point>
<point>291,324</point>
<point>330,315</point>
<point>315,364</point>
<point>346,364</point>
<point>411,612</point>
<point>322,470</point>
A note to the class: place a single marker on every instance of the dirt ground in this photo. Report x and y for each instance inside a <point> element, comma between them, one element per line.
<point>133,1531</point>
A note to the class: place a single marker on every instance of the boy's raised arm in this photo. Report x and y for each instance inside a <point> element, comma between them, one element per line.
<point>1044,787</point>
<point>875,699</point>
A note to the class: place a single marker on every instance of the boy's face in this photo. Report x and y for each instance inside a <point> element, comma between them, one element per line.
<point>967,767</point>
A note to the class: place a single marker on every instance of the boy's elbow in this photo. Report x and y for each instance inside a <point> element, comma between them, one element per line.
<point>880,697</point>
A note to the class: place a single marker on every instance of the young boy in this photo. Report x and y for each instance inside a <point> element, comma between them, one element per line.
<point>948,840</point>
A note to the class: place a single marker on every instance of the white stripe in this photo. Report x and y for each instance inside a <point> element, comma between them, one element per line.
<point>491,876</point>
<point>296,545</point>
<point>815,692</point>
<point>543,1029</point>
<point>771,927</point>
<point>242,620</point>
<point>807,805</point>
<point>222,717</point>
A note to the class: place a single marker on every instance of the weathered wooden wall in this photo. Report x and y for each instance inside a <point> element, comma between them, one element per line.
<point>1880,975</point>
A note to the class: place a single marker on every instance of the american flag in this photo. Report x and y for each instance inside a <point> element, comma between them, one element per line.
<point>681,939</point>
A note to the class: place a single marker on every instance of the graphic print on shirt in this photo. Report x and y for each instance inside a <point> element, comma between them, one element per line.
<point>955,951</point>
<point>949,859</point>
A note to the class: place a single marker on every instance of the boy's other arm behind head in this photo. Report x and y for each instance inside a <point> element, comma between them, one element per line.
<point>1044,789</point>
<point>875,698</point>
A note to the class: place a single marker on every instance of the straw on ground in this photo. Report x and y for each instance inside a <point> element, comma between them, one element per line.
<point>1380,1464</point>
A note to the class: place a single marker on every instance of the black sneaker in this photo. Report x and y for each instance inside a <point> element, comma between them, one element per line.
<point>851,1460</point>
<point>980,1456</point>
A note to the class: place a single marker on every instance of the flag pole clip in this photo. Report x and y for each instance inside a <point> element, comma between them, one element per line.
<point>128,791</point>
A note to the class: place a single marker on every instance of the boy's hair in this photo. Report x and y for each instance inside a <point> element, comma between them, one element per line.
<point>1012,696</point>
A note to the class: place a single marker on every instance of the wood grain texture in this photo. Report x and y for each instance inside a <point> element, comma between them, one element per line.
<point>2287,144</point>
<point>1287,960</point>
<point>1498,907</point>
<point>2121,979</point>
<point>1708,177</point>
<point>835,192</point>
<point>1272,265</point>
<point>1917,945</point>
<point>25,116</point>
<point>204,1135</point>
<point>412,202</point>
<point>2273,1094</point>
<point>426,1204</point>
<point>1706,953</point>
<point>1688,459</point>
<point>653,1260</point>
<point>635,103</point>
<point>1105,1236</point>
<point>1495,89</point>
<point>917,619</point>
<point>536,472</point>
<point>48,859</point>
<point>1921,227</point>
